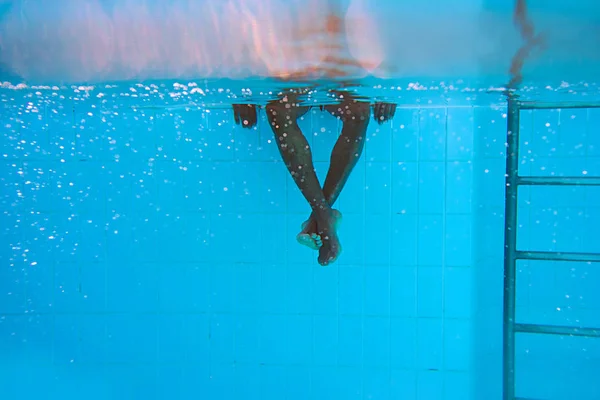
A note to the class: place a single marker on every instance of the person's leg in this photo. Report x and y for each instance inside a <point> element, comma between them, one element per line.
<point>346,153</point>
<point>295,151</point>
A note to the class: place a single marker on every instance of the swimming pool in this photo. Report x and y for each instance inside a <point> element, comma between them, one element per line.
<point>148,242</point>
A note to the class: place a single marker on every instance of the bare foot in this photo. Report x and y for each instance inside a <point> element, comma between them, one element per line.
<point>331,248</point>
<point>309,235</point>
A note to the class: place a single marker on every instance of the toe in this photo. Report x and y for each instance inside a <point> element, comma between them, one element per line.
<point>306,240</point>
<point>317,239</point>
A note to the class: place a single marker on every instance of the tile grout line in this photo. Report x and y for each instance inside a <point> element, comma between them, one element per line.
<point>157,349</point>
<point>235,129</point>
<point>390,253</point>
<point>363,280</point>
<point>417,243</point>
<point>337,303</point>
<point>312,337</point>
<point>209,294</point>
<point>526,263</point>
<point>225,313</point>
<point>444,249</point>
<point>587,157</point>
<point>261,269</point>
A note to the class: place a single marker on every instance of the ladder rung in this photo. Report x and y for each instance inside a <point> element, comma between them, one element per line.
<point>533,105</point>
<point>559,180</point>
<point>557,256</point>
<point>558,330</point>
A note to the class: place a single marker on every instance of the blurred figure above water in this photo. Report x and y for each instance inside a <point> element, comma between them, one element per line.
<point>92,41</point>
<point>84,40</point>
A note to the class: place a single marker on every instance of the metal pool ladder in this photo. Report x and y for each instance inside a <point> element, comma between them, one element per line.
<point>512,254</point>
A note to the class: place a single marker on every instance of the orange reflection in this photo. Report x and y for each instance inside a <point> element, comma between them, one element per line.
<point>137,39</point>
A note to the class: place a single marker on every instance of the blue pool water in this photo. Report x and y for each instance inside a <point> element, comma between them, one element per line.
<point>147,242</point>
<point>148,252</point>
